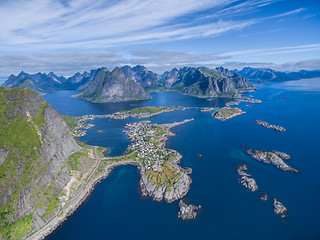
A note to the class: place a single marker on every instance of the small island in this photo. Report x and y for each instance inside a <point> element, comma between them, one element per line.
<point>188,211</point>
<point>208,109</point>
<point>245,179</point>
<point>249,100</point>
<point>228,104</point>
<point>279,208</point>
<point>226,113</point>
<point>79,127</point>
<point>143,112</point>
<point>274,158</point>
<point>270,126</point>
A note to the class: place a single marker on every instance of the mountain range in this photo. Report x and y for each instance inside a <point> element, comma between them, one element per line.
<point>269,75</point>
<point>135,83</point>
<point>43,83</point>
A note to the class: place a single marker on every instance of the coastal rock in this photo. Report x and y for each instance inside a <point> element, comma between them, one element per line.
<point>188,211</point>
<point>279,208</point>
<point>228,104</point>
<point>270,126</point>
<point>263,197</point>
<point>246,180</point>
<point>282,155</point>
<point>273,158</point>
<point>249,100</point>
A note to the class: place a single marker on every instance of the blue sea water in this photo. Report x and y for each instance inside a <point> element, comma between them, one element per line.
<point>115,210</point>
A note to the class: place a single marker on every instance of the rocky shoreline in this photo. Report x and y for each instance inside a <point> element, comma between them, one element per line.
<point>279,208</point>
<point>270,126</point>
<point>160,179</point>
<point>177,191</point>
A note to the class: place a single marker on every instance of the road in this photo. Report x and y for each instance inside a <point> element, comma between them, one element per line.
<point>55,220</point>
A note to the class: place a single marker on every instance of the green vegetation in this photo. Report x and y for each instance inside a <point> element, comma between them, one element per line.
<point>52,205</point>
<point>74,159</point>
<point>167,176</point>
<point>20,136</point>
<point>70,121</point>
<point>227,112</point>
<point>146,110</point>
<point>18,229</point>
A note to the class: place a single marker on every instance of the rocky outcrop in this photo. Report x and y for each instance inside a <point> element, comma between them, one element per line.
<point>170,194</point>
<point>35,166</point>
<point>188,211</point>
<point>270,126</point>
<point>246,180</point>
<point>279,208</point>
<point>273,158</point>
<point>113,86</point>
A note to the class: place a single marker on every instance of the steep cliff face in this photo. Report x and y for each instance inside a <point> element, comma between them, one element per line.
<point>147,79</point>
<point>204,82</point>
<point>35,145</point>
<point>239,81</point>
<point>113,86</point>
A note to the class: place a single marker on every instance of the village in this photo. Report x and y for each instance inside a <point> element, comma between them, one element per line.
<point>148,143</point>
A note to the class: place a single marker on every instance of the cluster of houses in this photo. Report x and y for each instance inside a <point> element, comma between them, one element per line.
<point>80,129</point>
<point>142,133</point>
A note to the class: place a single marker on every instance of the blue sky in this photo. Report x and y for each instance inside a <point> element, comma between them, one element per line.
<point>76,35</point>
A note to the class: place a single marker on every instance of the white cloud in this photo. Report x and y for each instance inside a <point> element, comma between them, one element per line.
<point>42,25</point>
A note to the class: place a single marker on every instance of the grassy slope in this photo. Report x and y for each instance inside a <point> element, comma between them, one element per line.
<point>20,137</point>
<point>146,110</point>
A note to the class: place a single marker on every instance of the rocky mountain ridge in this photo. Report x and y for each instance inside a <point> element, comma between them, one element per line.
<point>269,75</point>
<point>113,86</point>
<point>43,83</point>
<point>131,83</point>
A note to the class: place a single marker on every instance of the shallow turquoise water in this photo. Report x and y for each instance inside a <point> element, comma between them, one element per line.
<point>115,210</point>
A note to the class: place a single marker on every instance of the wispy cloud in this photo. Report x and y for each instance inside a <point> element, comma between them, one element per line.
<point>274,51</point>
<point>46,25</point>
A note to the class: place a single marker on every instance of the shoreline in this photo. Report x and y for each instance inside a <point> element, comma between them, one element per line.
<point>63,215</point>
<point>95,179</point>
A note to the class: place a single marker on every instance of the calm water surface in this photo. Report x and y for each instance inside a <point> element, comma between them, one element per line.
<point>115,210</point>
